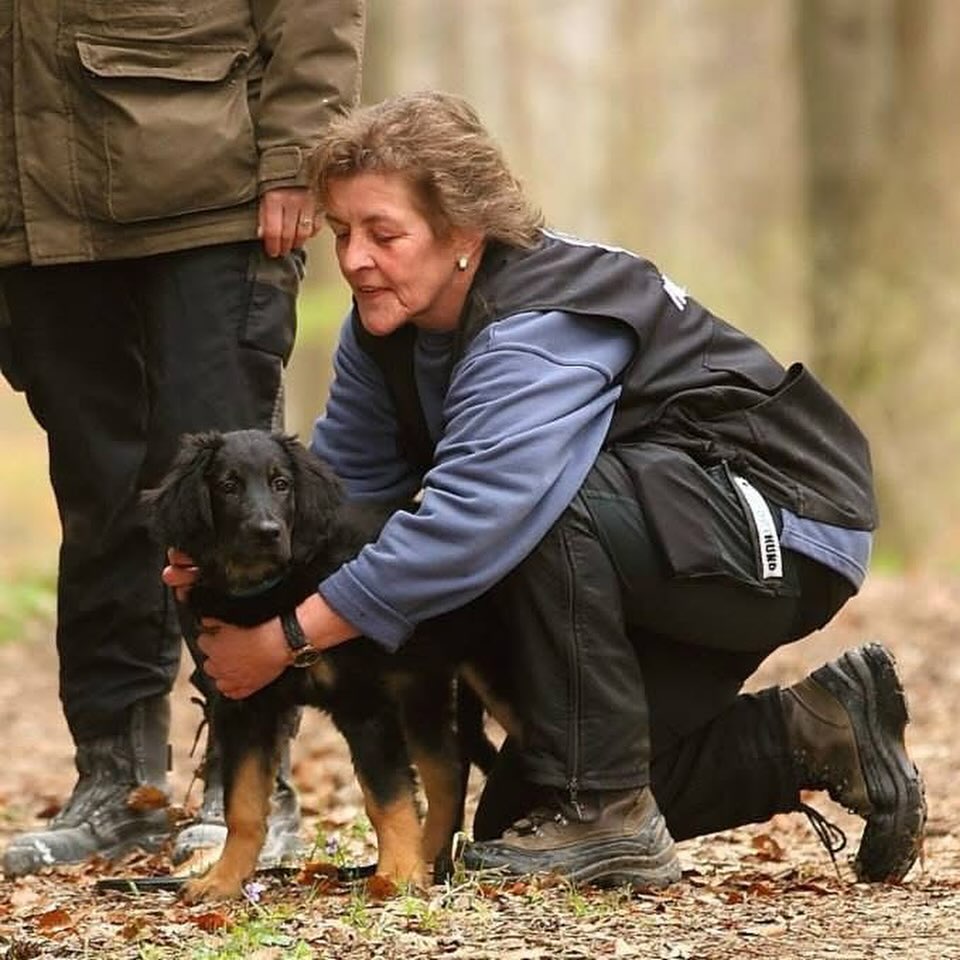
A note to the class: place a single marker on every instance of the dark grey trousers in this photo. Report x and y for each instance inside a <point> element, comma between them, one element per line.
<point>628,675</point>
<point>117,360</point>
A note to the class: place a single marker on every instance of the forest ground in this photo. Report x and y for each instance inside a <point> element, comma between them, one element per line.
<point>767,890</point>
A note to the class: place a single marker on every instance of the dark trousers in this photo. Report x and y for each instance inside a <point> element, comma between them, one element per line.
<point>117,360</point>
<point>627,674</point>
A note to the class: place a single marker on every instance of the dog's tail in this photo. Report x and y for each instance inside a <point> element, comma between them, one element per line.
<point>475,746</point>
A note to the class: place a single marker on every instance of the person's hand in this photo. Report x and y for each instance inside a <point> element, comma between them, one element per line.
<point>287,219</point>
<point>242,660</point>
<point>180,573</point>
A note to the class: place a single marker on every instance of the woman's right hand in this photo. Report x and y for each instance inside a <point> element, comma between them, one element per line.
<point>180,574</point>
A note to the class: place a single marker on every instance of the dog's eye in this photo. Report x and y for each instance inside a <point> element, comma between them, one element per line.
<point>228,485</point>
<point>281,484</point>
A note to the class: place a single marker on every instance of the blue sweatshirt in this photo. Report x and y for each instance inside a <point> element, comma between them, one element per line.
<point>518,423</point>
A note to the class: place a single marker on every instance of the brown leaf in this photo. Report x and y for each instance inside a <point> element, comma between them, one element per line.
<point>54,920</point>
<point>767,848</point>
<point>50,810</point>
<point>213,921</point>
<point>146,797</point>
<point>761,888</point>
<point>379,887</point>
<point>322,877</point>
<point>134,928</point>
<point>519,888</point>
<point>809,886</point>
<point>316,870</point>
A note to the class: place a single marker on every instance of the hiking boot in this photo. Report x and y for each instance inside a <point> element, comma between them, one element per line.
<point>845,723</point>
<point>99,819</point>
<point>608,837</point>
<point>202,841</point>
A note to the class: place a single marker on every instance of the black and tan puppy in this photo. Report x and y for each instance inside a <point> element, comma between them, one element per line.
<point>265,522</point>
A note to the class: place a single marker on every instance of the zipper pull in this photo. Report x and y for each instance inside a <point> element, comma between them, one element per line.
<point>573,790</point>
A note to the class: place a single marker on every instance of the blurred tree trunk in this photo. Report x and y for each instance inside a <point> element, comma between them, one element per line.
<point>450,39</point>
<point>911,303</point>
<point>883,149</point>
<point>518,49</point>
<point>380,51</point>
<point>689,138</point>
<point>848,84</point>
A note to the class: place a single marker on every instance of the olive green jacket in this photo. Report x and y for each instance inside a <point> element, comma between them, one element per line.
<point>134,127</point>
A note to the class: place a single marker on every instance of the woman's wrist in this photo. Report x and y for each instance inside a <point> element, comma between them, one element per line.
<point>322,625</point>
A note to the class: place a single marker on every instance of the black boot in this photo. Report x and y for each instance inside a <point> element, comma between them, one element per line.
<point>607,837</point>
<point>97,819</point>
<point>203,840</point>
<point>845,723</point>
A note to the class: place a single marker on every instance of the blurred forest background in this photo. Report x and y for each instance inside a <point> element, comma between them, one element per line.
<point>792,163</point>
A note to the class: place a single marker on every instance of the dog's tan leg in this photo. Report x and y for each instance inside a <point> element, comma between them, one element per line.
<point>495,705</point>
<point>397,827</point>
<point>247,808</point>
<point>440,776</point>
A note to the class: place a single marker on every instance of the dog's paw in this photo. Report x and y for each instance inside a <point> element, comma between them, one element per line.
<point>391,880</point>
<point>210,887</point>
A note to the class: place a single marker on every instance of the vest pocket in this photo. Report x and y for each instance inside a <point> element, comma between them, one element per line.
<point>698,519</point>
<point>166,130</point>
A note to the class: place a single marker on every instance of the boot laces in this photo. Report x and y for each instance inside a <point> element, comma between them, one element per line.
<point>831,837</point>
<point>531,824</point>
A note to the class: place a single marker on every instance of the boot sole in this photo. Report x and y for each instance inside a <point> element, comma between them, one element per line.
<point>894,831</point>
<point>29,859</point>
<point>614,863</point>
<point>629,870</point>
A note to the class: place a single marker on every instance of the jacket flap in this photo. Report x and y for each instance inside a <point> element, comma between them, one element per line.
<point>164,61</point>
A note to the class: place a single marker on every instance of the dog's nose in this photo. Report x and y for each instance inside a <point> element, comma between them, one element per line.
<point>268,531</point>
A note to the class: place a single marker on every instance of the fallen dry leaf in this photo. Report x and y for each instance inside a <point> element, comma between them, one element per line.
<point>379,887</point>
<point>212,921</point>
<point>54,920</point>
<point>146,797</point>
<point>767,848</point>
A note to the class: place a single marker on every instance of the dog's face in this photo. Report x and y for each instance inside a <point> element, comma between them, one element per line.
<point>250,483</point>
<point>244,505</point>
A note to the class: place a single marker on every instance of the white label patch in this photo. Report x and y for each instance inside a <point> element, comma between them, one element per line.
<point>768,543</point>
<point>674,291</point>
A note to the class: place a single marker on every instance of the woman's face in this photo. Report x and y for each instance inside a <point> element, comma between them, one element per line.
<point>398,269</point>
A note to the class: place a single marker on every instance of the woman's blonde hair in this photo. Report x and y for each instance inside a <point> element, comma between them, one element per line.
<point>437,142</point>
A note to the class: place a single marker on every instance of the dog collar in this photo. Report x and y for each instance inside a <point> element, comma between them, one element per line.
<point>258,589</point>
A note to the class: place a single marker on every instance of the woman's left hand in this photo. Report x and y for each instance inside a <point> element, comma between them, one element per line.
<point>242,660</point>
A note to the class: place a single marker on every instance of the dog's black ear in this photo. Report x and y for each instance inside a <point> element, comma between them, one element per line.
<point>179,508</point>
<point>318,496</point>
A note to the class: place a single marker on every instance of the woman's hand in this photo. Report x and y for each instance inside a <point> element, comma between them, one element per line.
<point>242,660</point>
<point>180,573</point>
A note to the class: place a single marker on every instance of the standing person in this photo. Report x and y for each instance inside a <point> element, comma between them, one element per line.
<point>651,502</point>
<point>153,207</point>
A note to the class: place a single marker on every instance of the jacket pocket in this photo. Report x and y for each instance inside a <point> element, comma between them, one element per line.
<point>168,130</point>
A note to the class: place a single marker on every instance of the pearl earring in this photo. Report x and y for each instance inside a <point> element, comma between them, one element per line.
<point>462,262</point>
